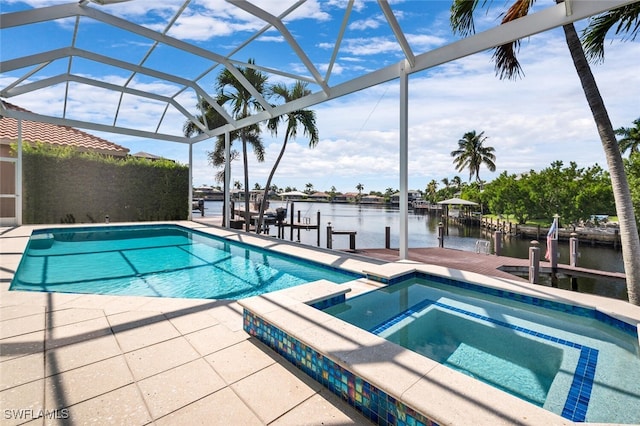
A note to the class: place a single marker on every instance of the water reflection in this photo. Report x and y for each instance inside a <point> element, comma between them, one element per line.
<point>370,222</point>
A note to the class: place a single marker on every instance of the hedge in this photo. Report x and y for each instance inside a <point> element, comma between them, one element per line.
<point>61,185</point>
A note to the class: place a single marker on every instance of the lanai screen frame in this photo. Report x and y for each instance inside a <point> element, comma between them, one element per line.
<point>546,19</point>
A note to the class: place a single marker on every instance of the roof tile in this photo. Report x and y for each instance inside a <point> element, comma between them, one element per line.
<point>33,131</point>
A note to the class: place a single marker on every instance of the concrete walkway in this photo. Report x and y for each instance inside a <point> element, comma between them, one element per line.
<point>79,359</point>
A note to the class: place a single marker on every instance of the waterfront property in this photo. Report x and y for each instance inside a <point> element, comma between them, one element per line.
<point>175,359</point>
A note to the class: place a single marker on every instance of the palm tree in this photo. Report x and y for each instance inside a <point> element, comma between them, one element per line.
<point>308,188</point>
<point>305,118</point>
<point>471,154</point>
<point>507,66</point>
<point>432,189</point>
<point>243,104</point>
<point>359,187</point>
<point>630,138</point>
<point>456,182</point>
<point>212,119</point>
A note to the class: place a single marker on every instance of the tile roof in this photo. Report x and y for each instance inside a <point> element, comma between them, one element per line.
<point>34,131</point>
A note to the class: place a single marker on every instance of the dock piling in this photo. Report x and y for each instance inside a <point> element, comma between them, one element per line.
<point>573,250</point>
<point>387,237</point>
<point>534,262</point>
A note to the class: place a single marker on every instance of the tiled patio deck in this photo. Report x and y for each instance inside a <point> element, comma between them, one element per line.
<point>138,360</point>
<point>79,359</point>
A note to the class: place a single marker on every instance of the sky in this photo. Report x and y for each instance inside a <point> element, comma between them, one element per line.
<point>530,122</point>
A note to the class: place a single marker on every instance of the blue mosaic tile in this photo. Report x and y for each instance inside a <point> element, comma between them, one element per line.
<point>372,402</point>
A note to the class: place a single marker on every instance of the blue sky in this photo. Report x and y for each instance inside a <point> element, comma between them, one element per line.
<point>530,122</point>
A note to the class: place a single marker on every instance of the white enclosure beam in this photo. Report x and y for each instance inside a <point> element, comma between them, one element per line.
<point>190,211</point>
<point>227,179</point>
<point>404,160</point>
<point>397,31</point>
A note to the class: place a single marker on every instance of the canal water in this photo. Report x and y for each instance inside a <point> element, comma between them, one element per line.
<point>370,221</point>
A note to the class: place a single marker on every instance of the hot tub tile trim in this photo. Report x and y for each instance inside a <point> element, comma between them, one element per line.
<point>374,403</point>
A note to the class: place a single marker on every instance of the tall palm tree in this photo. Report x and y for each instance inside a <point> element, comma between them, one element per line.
<point>359,187</point>
<point>630,138</point>
<point>432,189</point>
<point>308,188</point>
<point>471,154</point>
<point>304,117</point>
<point>243,104</point>
<point>507,66</point>
<point>212,118</point>
<point>456,182</point>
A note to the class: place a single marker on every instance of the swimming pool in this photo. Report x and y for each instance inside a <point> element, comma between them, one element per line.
<point>572,361</point>
<point>159,260</point>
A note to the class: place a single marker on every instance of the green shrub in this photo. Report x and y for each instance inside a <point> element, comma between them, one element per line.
<point>63,185</point>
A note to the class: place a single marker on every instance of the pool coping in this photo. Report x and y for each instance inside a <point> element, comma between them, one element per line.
<point>420,388</point>
<point>477,402</point>
<point>71,332</point>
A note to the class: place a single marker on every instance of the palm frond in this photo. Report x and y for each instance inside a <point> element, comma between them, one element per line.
<point>507,65</point>
<point>593,36</point>
<point>462,17</point>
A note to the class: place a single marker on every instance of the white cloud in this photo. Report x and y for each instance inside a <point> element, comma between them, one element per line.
<point>531,122</point>
<point>370,46</point>
<point>274,39</point>
<point>369,23</point>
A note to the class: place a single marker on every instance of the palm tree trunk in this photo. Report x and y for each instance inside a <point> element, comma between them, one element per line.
<point>629,239</point>
<point>266,188</point>
<point>247,213</point>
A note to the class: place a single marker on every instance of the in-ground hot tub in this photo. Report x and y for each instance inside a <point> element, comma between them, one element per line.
<point>525,367</point>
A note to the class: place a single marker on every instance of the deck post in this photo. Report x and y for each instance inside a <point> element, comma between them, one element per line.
<point>404,158</point>
<point>498,242</point>
<point>441,235</point>
<point>228,208</point>
<point>329,236</point>
<point>318,222</point>
<point>291,223</point>
<point>534,262</point>
<point>387,237</point>
<point>573,250</point>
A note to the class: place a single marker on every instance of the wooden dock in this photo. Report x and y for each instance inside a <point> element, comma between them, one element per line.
<point>491,265</point>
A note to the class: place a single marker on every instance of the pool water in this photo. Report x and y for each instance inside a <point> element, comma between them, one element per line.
<point>574,365</point>
<point>159,260</point>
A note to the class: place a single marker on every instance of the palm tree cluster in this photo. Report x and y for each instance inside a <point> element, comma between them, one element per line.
<point>625,20</point>
<point>232,94</point>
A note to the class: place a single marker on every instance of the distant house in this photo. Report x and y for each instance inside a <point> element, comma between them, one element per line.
<point>412,196</point>
<point>319,196</point>
<point>351,197</point>
<point>150,157</point>
<point>208,193</point>
<point>371,199</point>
